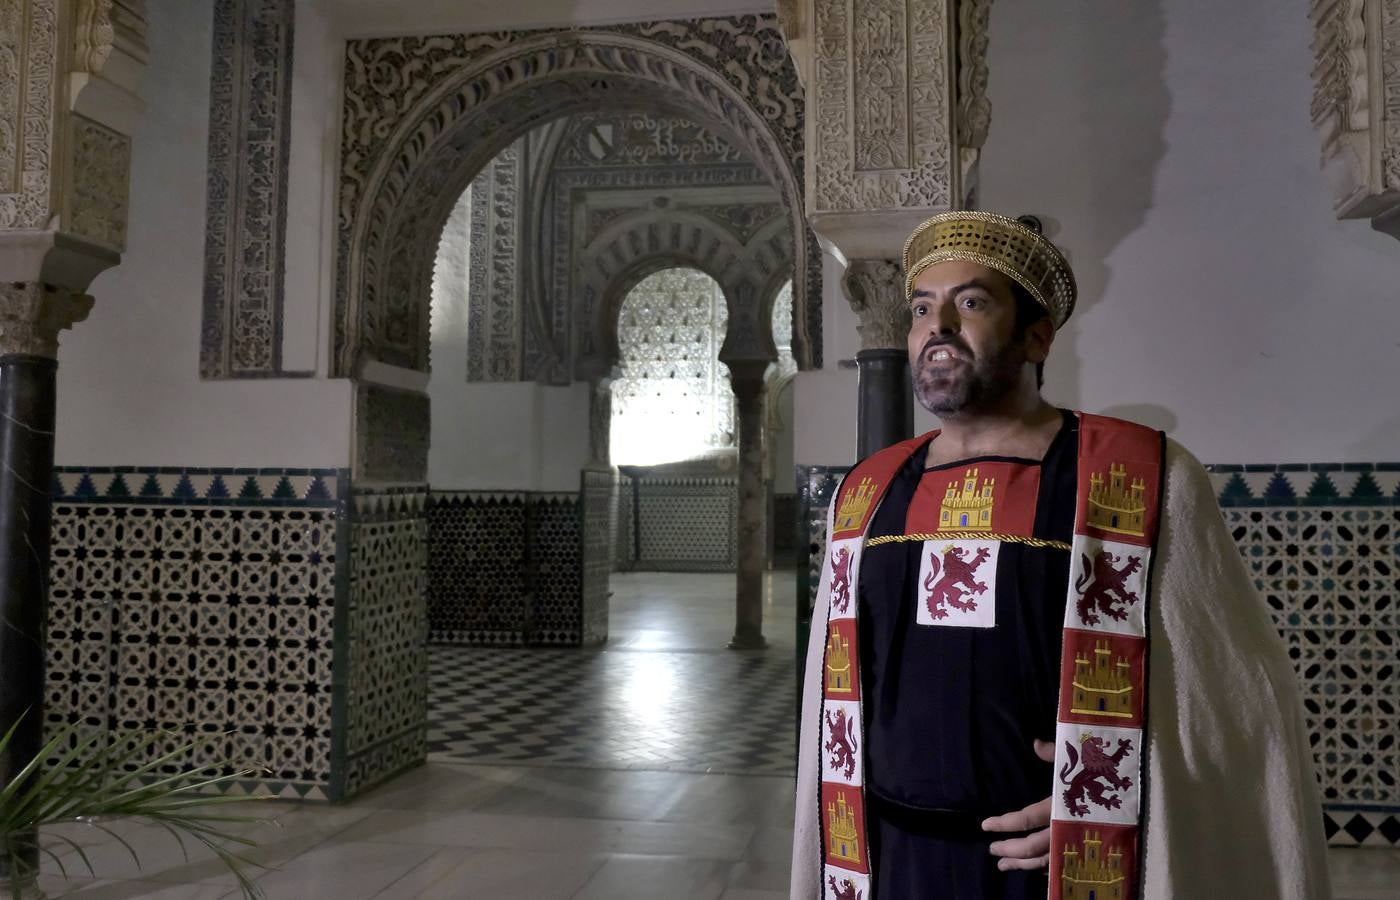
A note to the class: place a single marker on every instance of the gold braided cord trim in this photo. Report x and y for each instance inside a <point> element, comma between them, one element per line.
<point>966,536</point>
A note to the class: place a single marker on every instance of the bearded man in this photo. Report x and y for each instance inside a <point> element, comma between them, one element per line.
<point>1034,602</point>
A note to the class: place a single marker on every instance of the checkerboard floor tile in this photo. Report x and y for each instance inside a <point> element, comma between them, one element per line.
<point>650,699</point>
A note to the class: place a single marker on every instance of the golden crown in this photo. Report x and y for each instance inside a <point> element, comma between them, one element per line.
<point>1000,243</point>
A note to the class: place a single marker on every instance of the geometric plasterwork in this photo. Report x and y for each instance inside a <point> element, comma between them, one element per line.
<point>250,94</point>
<point>897,114</point>
<point>1356,106</point>
<point>422,115</point>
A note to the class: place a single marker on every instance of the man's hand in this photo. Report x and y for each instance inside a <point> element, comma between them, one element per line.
<point>1033,850</point>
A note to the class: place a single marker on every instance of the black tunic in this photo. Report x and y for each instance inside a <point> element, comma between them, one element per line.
<point>951,713</point>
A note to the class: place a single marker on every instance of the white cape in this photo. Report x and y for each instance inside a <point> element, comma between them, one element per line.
<point>1233,809</point>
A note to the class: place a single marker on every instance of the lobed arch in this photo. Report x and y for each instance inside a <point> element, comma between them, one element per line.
<point>638,245</point>
<point>424,115</point>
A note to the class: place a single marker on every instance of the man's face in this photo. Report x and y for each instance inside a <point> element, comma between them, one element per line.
<point>964,354</point>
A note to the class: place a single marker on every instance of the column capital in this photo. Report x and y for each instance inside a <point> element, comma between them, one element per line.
<point>875,290</point>
<point>32,315</point>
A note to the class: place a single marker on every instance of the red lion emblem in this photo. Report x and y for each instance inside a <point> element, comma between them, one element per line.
<point>958,575</point>
<point>1101,586</point>
<point>846,891</point>
<point>841,579</point>
<point>1100,774</point>
<point>842,745</point>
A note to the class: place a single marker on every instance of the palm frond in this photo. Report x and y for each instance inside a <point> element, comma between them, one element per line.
<point>76,784</point>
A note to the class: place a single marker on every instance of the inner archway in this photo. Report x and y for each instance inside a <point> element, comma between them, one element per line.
<point>672,401</point>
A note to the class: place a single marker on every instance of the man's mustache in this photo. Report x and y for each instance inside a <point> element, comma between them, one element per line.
<point>950,341</point>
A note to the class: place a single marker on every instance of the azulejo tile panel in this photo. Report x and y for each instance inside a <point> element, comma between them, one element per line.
<point>1322,541</point>
<point>598,515</point>
<point>183,607</point>
<point>678,524</point>
<point>508,568</point>
<point>383,638</point>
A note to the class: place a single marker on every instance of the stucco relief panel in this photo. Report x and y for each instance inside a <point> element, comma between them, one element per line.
<point>1390,71</point>
<point>883,135</point>
<point>28,45</point>
<point>881,116</point>
<point>246,219</point>
<point>101,174</point>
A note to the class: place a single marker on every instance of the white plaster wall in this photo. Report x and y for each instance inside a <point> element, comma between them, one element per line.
<point>1222,300</point>
<point>129,391</point>
<point>500,435</point>
<point>507,436</point>
<point>1168,143</point>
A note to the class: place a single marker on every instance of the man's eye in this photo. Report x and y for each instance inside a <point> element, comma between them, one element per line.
<point>972,302</point>
<point>919,309</point>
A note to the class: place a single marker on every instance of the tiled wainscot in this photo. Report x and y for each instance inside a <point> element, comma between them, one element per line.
<point>278,616</point>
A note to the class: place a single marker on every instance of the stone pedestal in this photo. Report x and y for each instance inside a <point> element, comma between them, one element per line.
<point>747,379</point>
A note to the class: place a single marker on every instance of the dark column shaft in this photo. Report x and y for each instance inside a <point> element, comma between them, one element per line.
<point>885,414</point>
<point>747,380</point>
<point>26,473</point>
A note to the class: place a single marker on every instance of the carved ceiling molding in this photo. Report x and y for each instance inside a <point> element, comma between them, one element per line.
<point>1356,106</point>
<point>898,112</point>
<point>422,115</point>
<point>644,242</point>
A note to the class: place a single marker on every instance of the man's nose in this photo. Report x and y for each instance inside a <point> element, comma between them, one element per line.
<point>946,321</point>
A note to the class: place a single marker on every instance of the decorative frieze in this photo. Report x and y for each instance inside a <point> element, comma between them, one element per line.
<point>250,92</point>
<point>1356,106</point>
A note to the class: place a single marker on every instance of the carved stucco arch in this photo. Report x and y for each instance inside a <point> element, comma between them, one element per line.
<point>409,149</point>
<point>638,245</point>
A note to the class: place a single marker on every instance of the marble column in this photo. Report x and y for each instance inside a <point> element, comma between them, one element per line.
<point>885,414</point>
<point>63,221</point>
<point>747,379</point>
<point>30,318</point>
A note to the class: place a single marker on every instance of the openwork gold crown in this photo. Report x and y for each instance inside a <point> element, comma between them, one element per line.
<point>999,243</point>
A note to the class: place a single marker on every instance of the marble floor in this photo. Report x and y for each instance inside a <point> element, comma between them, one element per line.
<point>658,828</point>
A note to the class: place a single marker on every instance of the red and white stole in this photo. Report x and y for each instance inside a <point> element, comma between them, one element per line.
<point>1103,663</point>
<point>1100,757</point>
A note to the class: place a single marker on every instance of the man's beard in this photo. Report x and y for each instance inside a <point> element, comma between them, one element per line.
<point>977,385</point>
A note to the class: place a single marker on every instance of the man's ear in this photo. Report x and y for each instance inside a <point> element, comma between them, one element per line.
<point>1039,337</point>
